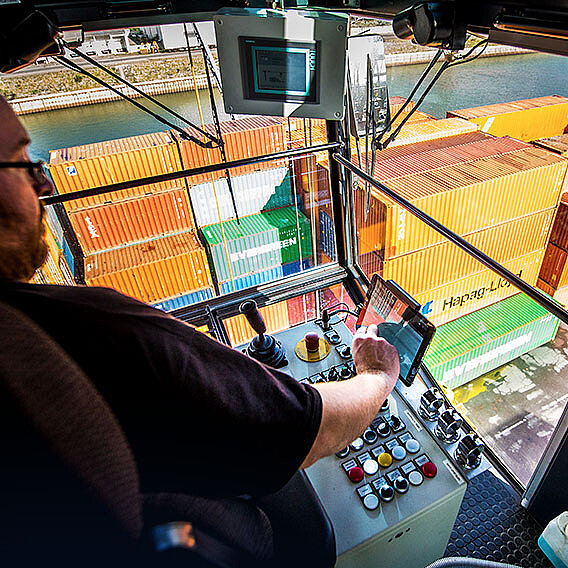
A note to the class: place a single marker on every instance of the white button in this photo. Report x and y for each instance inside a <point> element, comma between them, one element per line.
<point>370,467</point>
<point>371,501</point>
<point>398,453</point>
<point>415,478</point>
<point>413,446</point>
<point>357,444</point>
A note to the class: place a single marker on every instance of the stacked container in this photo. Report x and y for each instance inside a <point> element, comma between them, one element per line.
<point>528,119</point>
<point>259,248</point>
<point>500,194</point>
<point>484,340</point>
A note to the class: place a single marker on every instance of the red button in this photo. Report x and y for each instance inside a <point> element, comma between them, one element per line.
<point>429,469</point>
<point>312,341</point>
<point>355,474</point>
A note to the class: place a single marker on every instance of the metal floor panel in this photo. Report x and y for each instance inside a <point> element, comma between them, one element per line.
<point>492,525</point>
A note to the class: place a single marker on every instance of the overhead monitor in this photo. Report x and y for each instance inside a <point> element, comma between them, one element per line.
<point>282,63</point>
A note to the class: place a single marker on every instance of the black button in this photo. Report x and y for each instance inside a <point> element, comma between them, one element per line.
<point>401,484</point>
<point>342,453</point>
<point>370,436</point>
<point>383,429</point>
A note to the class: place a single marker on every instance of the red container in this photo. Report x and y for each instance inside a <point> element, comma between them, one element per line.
<point>559,233</point>
<point>553,265</point>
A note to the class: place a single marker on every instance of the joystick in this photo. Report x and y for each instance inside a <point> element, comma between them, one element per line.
<point>469,450</point>
<point>431,403</point>
<point>263,347</point>
<point>448,427</point>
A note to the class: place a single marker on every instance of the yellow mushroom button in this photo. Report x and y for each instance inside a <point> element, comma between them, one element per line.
<point>384,459</point>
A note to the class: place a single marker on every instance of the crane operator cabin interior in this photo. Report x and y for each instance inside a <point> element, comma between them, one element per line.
<point>304,292</point>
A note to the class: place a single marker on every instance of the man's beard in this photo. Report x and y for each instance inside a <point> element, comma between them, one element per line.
<point>21,254</point>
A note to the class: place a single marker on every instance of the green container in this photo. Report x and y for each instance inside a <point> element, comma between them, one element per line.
<point>258,243</point>
<point>477,343</point>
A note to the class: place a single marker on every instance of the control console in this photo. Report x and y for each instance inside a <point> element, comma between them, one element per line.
<point>395,491</point>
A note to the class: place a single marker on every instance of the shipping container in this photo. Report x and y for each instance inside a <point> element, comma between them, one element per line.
<point>58,233</point>
<point>559,232</point>
<point>244,138</point>
<point>240,332</point>
<point>254,192</point>
<point>438,265</point>
<point>528,119</point>
<point>55,269</point>
<point>301,308</point>
<point>553,266</point>
<point>184,300</point>
<point>558,144</point>
<point>371,262</point>
<point>295,267</point>
<point>327,235</point>
<point>254,279</point>
<point>546,288</point>
<point>484,340</point>
<point>465,198</point>
<point>257,243</point>
<point>133,220</point>
<point>114,161</point>
<point>561,296</point>
<point>153,270</point>
<point>477,291</point>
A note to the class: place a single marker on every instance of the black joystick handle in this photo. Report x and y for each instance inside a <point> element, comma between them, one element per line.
<point>250,310</point>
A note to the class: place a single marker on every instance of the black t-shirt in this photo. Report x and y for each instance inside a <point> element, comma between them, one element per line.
<point>200,417</point>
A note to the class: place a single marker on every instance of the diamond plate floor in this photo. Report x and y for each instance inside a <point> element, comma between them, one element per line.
<point>492,525</point>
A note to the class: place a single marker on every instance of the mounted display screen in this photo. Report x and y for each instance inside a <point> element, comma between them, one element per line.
<point>279,70</point>
<point>399,321</point>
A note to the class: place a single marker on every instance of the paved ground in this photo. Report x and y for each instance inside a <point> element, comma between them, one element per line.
<point>516,407</point>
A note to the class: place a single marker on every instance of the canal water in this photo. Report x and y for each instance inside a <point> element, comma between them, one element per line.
<point>484,81</point>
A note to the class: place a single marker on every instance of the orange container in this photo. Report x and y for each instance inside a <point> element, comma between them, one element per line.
<point>477,291</point>
<point>114,161</point>
<point>546,288</point>
<point>138,219</point>
<point>528,119</point>
<point>153,270</point>
<point>244,138</point>
<point>444,263</point>
<point>275,317</point>
<point>465,198</point>
<point>553,266</point>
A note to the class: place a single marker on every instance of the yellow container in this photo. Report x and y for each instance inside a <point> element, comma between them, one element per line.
<point>153,270</point>
<point>114,161</point>
<point>528,119</point>
<point>441,264</point>
<point>477,291</point>
<point>465,198</point>
<point>275,316</point>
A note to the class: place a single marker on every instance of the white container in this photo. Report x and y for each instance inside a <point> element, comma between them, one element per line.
<point>265,189</point>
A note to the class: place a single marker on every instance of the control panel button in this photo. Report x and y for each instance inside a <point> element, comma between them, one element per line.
<point>344,351</point>
<point>407,468</point>
<point>405,437</point>
<point>357,444</point>
<point>343,453</point>
<point>371,502</point>
<point>332,374</point>
<point>429,469</point>
<point>345,372</point>
<point>385,406</point>
<point>393,475</point>
<point>317,378</point>
<point>349,464</point>
<point>364,490</point>
<point>355,474</point>
<point>391,444</point>
<point>383,429</point>
<point>386,493</point>
<point>370,467</point>
<point>421,460</point>
<point>333,337</point>
<point>398,453</point>
<point>377,451</point>
<point>415,478</point>
<point>401,484</point>
<point>396,424</point>
<point>412,446</point>
<point>385,460</point>
<point>363,458</point>
<point>370,436</point>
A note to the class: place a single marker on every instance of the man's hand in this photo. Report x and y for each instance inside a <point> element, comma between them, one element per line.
<point>373,354</point>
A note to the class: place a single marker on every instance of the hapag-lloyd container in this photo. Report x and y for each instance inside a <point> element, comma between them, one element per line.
<point>528,119</point>
<point>114,161</point>
<point>484,340</point>
<point>477,291</point>
<point>132,220</point>
<point>257,243</point>
<point>465,198</point>
<point>153,270</point>
<point>438,265</point>
<point>244,138</point>
<point>266,189</point>
<point>184,300</point>
<point>275,316</point>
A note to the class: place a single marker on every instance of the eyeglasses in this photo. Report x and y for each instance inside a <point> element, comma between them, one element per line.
<point>36,170</point>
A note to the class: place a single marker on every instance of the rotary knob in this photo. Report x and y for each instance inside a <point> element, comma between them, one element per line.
<point>469,450</point>
<point>430,404</point>
<point>449,425</point>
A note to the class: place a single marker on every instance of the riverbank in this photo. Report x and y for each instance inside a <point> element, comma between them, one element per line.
<point>42,103</point>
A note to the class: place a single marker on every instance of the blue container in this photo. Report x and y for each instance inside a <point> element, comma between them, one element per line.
<point>294,267</point>
<point>185,300</point>
<point>252,280</point>
<point>327,235</point>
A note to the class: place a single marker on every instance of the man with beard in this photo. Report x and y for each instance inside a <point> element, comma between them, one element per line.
<point>173,389</point>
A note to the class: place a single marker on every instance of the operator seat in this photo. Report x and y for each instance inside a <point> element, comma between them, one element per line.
<point>69,488</point>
